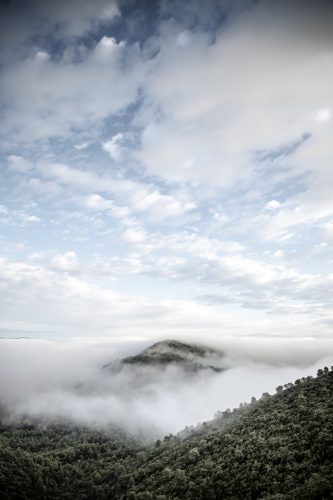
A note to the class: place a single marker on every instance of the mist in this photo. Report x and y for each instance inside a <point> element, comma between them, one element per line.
<point>64,379</point>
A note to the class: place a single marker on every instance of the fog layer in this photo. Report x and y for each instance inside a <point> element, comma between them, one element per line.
<point>56,379</point>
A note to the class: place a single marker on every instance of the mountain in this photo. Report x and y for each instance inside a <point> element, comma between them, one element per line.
<point>279,447</point>
<point>191,358</point>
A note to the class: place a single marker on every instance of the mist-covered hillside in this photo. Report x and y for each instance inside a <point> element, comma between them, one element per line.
<point>279,447</point>
<point>147,388</point>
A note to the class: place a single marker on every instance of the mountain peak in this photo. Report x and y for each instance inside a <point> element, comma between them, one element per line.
<point>191,358</point>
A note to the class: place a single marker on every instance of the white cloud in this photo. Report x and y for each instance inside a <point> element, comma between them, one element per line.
<point>113,147</point>
<point>328,230</point>
<point>19,164</point>
<point>315,202</point>
<point>42,56</point>
<point>228,271</point>
<point>106,46</point>
<point>44,188</point>
<point>64,94</point>
<point>235,291</point>
<point>29,218</point>
<point>138,197</point>
<point>273,204</point>
<point>323,115</point>
<point>82,145</point>
<point>221,218</point>
<point>251,91</point>
<point>97,202</point>
<point>17,217</point>
<point>69,305</point>
<point>134,235</point>
<point>66,262</point>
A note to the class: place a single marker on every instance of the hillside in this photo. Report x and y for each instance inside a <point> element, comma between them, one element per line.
<point>190,358</point>
<point>279,447</point>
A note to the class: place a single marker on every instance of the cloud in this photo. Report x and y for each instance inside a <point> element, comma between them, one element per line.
<point>82,145</point>
<point>113,146</point>
<point>138,197</point>
<point>43,188</point>
<point>273,204</point>
<point>254,89</point>
<point>312,204</point>
<point>125,196</point>
<point>66,262</point>
<point>22,21</point>
<point>41,379</point>
<point>97,202</point>
<point>328,230</point>
<point>16,217</point>
<point>236,276</point>
<point>68,92</point>
<point>29,218</point>
<point>3,210</point>
<point>323,115</point>
<point>75,18</point>
<point>72,297</point>
<point>19,164</point>
<point>134,235</point>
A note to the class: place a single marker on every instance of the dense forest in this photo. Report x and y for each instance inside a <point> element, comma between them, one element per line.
<point>277,447</point>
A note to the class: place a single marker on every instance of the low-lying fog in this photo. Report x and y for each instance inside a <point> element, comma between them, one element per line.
<point>64,378</point>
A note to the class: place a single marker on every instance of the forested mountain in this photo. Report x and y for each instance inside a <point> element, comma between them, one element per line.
<point>279,447</point>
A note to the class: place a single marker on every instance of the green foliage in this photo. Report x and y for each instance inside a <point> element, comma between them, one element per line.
<point>277,448</point>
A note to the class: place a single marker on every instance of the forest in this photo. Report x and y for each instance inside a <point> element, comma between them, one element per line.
<point>277,447</point>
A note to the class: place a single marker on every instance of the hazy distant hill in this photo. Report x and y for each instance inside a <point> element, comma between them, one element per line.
<point>277,448</point>
<point>189,357</point>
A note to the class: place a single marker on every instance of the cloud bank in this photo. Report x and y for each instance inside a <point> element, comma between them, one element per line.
<point>64,381</point>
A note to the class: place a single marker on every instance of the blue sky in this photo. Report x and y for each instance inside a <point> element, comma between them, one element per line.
<point>166,168</point>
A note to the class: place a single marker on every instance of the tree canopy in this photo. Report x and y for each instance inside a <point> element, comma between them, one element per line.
<point>277,447</point>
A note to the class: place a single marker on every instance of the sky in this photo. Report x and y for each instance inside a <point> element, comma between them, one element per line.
<point>166,168</point>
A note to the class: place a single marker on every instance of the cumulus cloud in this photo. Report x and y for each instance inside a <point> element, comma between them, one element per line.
<point>67,92</point>
<point>257,88</point>
<point>65,19</point>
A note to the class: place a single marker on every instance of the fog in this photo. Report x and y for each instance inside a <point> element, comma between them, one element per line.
<point>65,379</point>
